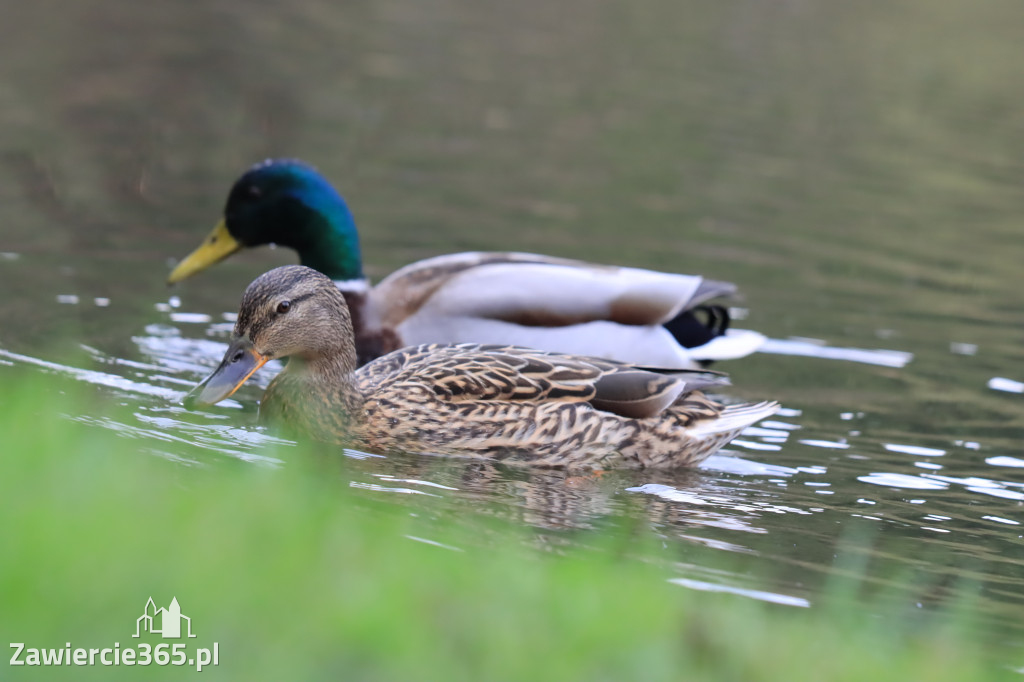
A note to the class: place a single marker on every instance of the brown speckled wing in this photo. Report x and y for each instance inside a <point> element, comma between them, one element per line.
<point>470,372</point>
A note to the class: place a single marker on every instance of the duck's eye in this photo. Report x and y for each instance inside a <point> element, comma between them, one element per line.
<point>283,307</point>
<point>254,191</point>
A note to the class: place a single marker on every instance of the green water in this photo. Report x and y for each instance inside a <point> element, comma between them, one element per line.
<point>855,168</point>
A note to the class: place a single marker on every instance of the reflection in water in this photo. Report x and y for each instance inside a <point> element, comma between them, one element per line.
<point>815,348</point>
<point>753,594</point>
<point>830,444</point>
<point>392,479</point>
<point>434,543</point>
<point>975,484</point>
<point>389,489</point>
<point>902,481</point>
<point>1007,385</point>
<point>193,318</point>
<point>1004,461</point>
<point>98,378</point>
<point>914,450</point>
<point>188,438</point>
<point>738,465</point>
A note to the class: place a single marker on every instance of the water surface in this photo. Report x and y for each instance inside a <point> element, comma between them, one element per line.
<point>856,169</point>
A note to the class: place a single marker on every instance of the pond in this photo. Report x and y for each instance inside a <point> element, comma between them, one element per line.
<point>854,168</point>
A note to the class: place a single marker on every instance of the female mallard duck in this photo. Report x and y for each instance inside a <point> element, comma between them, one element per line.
<point>504,402</point>
<point>624,314</point>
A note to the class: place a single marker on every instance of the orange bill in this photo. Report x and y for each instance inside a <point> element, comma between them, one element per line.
<point>240,362</point>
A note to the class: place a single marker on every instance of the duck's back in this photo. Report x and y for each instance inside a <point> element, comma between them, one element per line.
<point>542,408</point>
<point>556,304</point>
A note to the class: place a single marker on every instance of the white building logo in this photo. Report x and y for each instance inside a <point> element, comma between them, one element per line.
<point>163,622</point>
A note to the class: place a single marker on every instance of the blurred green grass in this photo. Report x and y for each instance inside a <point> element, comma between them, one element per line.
<point>295,577</point>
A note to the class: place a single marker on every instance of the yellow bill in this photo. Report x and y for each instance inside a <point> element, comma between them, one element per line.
<point>216,247</point>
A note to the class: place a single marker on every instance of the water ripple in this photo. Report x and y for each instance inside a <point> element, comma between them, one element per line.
<point>760,595</point>
<point>890,480</point>
<point>815,348</point>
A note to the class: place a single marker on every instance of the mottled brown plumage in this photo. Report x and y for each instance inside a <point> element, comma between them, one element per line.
<point>500,402</point>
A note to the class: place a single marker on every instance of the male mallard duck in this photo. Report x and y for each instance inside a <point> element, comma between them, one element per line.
<point>522,299</point>
<point>472,400</point>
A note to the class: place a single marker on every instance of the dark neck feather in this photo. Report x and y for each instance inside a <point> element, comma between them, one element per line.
<point>371,341</point>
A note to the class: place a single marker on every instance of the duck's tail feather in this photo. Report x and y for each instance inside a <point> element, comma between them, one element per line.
<point>735,418</point>
<point>697,326</point>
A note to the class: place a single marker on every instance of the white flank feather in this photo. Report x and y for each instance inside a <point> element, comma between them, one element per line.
<point>552,304</point>
<point>595,292</point>
<point>645,345</point>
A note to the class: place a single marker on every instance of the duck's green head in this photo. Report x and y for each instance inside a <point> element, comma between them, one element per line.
<point>288,203</point>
